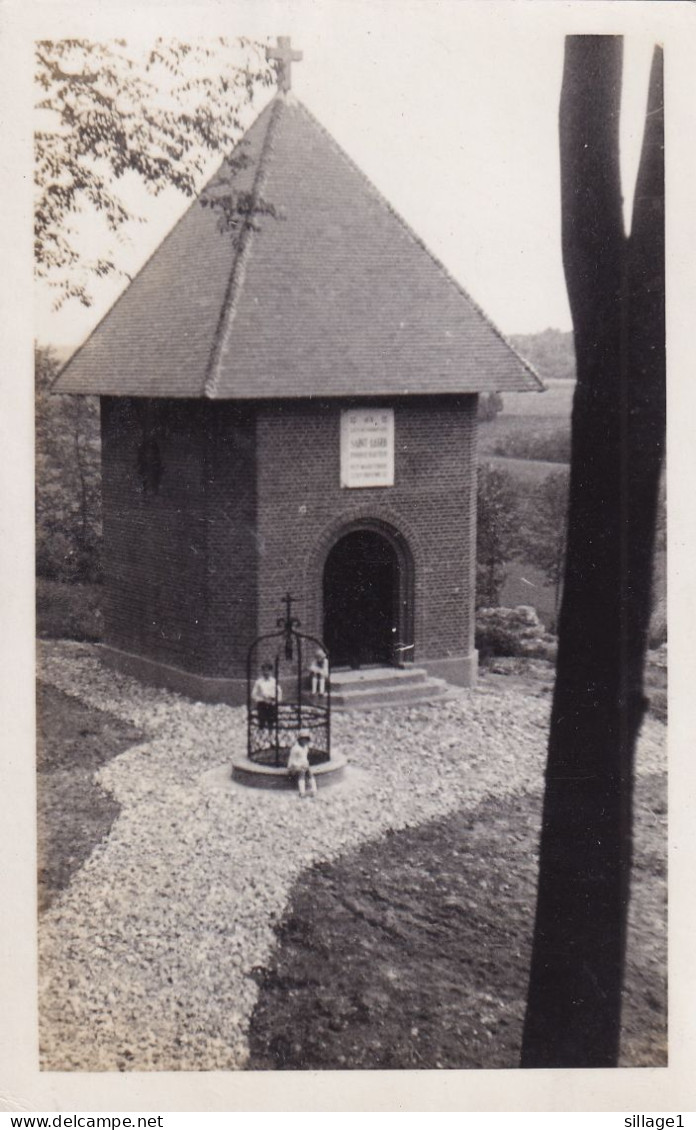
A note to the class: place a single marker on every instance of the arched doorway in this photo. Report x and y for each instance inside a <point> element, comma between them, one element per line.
<point>365,600</point>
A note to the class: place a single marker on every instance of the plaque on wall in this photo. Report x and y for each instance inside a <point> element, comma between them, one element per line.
<point>367,447</point>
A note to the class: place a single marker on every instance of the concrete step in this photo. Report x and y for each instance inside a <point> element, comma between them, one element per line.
<point>364,677</point>
<point>404,694</point>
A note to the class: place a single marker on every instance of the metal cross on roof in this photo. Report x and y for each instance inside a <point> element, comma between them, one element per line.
<point>283,56</point>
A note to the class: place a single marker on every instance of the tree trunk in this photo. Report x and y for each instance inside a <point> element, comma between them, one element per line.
<point>558,575</point>
<point>616,291</point>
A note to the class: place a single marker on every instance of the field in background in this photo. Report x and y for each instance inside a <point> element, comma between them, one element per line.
<point>556,400</point>
<point>532,425</point>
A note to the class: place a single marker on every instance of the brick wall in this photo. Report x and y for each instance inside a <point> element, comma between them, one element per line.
<point>232,619</point>
<point>302,510</point>
<point>155,537</point>
<point>180,560</point>
<point>248,505</point>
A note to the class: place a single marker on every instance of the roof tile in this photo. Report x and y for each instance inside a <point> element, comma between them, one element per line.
<point>332,295</point>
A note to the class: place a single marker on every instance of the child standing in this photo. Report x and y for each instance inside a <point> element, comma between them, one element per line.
<point>299,767</point>
<point>319,672</point>
<point>265,695</point>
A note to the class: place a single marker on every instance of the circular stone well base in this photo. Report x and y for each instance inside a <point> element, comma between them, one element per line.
<point>247,772</point>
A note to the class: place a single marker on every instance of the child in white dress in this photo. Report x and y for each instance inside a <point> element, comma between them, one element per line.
<point>299,767</point>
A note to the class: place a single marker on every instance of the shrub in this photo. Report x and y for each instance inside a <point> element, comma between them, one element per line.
<point>489,405</point>
<point>68,611</point>
<point>68,479</point>
<point>512,632</point>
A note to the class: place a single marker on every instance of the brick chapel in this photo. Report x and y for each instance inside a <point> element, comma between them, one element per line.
<point>292,408</point>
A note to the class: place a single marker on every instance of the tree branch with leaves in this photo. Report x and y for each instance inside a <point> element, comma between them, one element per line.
<point>108,111</point>
<point>497,531</point>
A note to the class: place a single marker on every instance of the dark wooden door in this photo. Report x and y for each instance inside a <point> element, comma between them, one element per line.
<point>361,592</point>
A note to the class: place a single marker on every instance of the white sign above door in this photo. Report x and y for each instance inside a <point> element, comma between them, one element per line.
<point>367,447</point>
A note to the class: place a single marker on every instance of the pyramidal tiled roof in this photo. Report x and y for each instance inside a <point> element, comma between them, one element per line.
<point>331,295</point>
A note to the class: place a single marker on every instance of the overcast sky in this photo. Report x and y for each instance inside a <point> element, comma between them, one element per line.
<point>450,108</point>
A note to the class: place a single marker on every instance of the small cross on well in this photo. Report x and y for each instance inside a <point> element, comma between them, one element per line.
<point>288,623</point>
<point>283,56</point>
<point>288,601</point>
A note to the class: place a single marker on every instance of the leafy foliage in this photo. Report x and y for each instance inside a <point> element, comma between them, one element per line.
<point>544,529</point>
<point>489,405</point>
<point>498,516</point>
<point>108,111</point>
<point>68,479</point>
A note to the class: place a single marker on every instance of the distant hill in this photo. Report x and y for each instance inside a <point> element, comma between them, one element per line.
<point>552,353</point>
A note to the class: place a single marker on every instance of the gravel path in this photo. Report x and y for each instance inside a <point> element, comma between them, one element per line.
<point>145,959</point>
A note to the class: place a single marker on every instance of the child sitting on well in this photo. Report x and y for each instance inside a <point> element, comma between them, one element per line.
<point>299,767</point>
<point>319,672</point>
